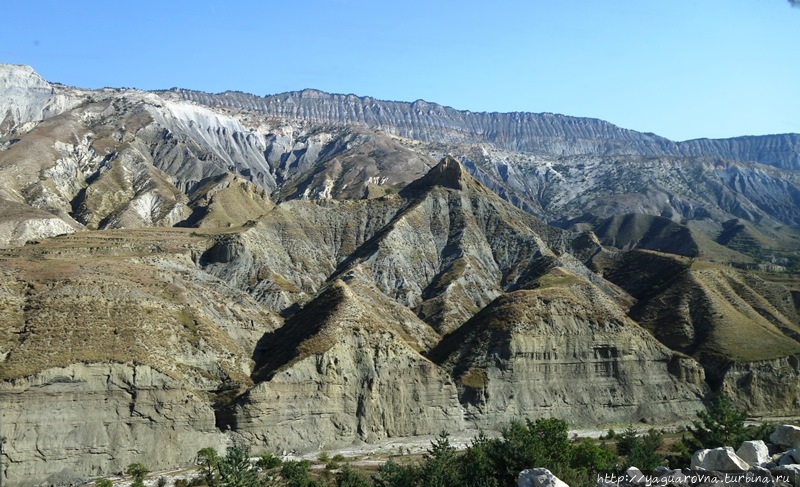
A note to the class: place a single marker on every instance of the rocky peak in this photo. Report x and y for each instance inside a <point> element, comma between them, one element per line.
<point>23,95</point>
<point>448,173</point>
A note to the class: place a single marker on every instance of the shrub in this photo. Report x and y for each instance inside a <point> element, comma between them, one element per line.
<point>477,465</point>
<point>138,472</point>
<point>644,451</point>
<point>295,474</point>
<point>391,474</point>
<point>103,483</point>
<point>268,461</point>
<point>349,477</point>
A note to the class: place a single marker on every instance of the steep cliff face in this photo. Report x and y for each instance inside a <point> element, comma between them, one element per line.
<point>114,349</point>
<point>69,424</point>
<point>346,368</point>
<point>765,387</point>
<point>565,350</point>
<point>28,99</point>
<point>540,133</point>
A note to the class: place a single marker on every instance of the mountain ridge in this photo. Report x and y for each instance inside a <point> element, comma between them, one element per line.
<point>286,282</point>
<point>780,150</point>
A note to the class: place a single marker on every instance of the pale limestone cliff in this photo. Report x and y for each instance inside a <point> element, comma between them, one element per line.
<point>341,371</point>
<point>565,350</point>
<point>73,423</point>
<point>768,387</point>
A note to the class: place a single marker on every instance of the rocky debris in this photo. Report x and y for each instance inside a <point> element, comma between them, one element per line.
<point>539,477</point>
<point>755,453</point>
<point>786,435</point>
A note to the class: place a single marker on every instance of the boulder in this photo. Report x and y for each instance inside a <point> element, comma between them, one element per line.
<point>786,435</point>
<point>723,460</point>
<point>697,458</point>
<point>634,476</point>
<point>754,477</point>
<point>673,478</point>
<point>539,477</point>
<point>787,474</point>
<point>790,457</point>
<point>755,453</point>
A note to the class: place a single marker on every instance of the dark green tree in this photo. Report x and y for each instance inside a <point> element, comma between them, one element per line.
<point>541,443</point>
<point>440,467</point>
<point>721,424</point>
<point>390,474</point>
<point>208,459</point>
<point>643,452</point>
<point>350,477</point>
<point>295,474</point>
<point>235,469</point>
<point>477,465</point>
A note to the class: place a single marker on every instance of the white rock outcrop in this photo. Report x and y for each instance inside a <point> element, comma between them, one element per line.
<point>697,458</point>
<point>723,460</point>
<point>755,453</point>
<point>539,477</point>
<point>27,98</point>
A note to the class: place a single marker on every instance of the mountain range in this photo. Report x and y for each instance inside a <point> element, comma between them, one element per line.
<point>306,270</point>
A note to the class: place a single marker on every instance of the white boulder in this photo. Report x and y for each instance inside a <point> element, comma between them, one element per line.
<point>539,477</point>
<point>755,453</point>
<point>697,458</point>
<point>723,460</point>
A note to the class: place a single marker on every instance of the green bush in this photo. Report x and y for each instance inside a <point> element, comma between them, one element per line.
<point>497,462</point>
<point>268,461</point>
<point>440,468</point>
<point>138,472</point>
<point>643,452</point>
<point>349,477</point>
<point>208,459</point>
<point>103,483</point>
<point>390,474</point>
<point>477,464</point>
<point>295,474</point>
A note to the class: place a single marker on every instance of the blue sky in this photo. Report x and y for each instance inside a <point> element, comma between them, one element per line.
<point>680,68</point>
